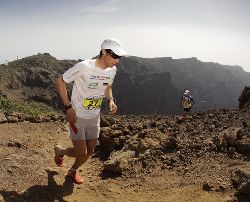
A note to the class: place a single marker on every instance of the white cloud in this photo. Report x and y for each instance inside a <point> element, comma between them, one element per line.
<point>96,12</point>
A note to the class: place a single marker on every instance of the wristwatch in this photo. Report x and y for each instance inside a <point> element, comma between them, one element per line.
<point>66,107</point>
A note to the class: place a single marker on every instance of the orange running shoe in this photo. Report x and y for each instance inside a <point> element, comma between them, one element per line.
<point>58,156</point>
<point>76,178</point>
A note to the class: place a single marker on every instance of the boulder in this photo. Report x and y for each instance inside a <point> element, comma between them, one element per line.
<point>3,118</point>
<point>118,162</point>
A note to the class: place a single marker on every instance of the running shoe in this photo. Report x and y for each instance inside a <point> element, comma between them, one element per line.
<point>73,175</point>
<point>58,156</point>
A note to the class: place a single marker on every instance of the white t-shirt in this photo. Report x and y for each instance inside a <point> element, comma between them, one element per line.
<point>89,87</point>
<point>187,101</point>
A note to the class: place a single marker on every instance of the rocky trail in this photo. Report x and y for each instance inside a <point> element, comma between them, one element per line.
<point>199,157</point>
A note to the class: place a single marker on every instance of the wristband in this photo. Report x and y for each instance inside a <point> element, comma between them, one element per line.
<point>111,99</point>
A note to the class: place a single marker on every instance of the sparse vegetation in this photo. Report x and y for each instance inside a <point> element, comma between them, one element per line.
<point>33,108</point>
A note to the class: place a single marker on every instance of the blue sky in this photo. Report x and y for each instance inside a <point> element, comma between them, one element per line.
<point>211,30</point>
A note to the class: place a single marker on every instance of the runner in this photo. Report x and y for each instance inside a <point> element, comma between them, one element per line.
<point>187,101</point>
<point>92,83</point>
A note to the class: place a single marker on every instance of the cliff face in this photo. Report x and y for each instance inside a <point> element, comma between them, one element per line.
<point>211,84</point>
<point>151,93</point>
<point>141,86</point>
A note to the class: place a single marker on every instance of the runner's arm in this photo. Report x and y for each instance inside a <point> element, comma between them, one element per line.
<point>109,96</point>
<point>181,101</point>
<point>109,93</point>
<point>61,87</point>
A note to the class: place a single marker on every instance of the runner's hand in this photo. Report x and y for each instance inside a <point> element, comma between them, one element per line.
<point>112,107</point>
<point>71,115</point>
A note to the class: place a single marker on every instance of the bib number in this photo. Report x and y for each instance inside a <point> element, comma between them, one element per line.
<point>91,104</point>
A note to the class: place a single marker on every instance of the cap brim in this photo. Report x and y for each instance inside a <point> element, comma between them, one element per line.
<point>120,52</point>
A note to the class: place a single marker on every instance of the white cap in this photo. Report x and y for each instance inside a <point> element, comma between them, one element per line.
<point>186,92</point>
<point>115,45</point>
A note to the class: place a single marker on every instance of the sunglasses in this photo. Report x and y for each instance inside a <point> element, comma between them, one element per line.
<point>112,54</point>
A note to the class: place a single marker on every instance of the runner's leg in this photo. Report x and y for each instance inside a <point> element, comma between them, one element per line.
<point>91,144</point>
<point>80,153</point>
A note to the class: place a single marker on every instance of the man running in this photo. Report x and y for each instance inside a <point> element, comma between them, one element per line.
<point>92,83</point>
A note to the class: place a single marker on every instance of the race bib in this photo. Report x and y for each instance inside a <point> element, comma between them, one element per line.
<point>92,103</point>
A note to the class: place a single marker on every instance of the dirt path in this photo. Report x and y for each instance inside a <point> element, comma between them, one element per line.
<point>28,173</point>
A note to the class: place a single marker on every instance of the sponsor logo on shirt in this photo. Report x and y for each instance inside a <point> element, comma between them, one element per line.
<point>93,85</point>
<point>97,77</point>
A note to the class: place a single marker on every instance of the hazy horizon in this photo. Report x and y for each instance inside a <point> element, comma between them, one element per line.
<point>211,31</point>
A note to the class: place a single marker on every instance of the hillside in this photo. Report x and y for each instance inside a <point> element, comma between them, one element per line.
<point>141,86</point>
<point>33,78</point>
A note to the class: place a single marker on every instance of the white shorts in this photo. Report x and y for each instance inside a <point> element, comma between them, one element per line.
<point>85,129</point>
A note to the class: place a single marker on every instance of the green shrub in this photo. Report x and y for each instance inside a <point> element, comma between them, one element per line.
<point>33,108</point>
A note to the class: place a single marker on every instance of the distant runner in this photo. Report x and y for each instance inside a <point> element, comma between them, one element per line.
<point>187,101</point>
<point>92,83</point>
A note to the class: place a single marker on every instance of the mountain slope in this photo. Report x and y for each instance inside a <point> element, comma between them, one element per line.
<point>141,86</point>
<point>211,84</point>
